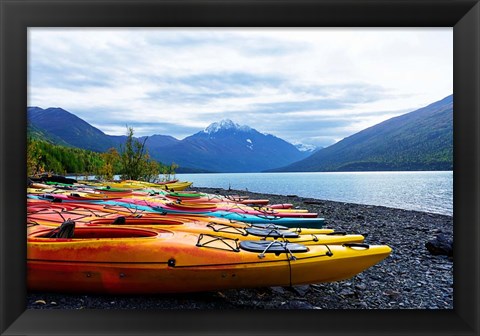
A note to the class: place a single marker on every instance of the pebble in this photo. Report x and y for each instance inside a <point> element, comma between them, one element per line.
<point>296,305</point>
<point>411,278</point>
<point>277,290</point>
<point>361,287</point>
<point>301,290</point>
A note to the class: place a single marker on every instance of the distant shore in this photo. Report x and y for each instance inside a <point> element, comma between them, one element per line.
<point>410,278</point>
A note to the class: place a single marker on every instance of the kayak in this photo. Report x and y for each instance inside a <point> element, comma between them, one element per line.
<point>261,219</point>
<point>281,206</point>
<point>187,195</point>
<point>200,208</point>
<point>207,202</point>
<point>128,260</point>
<point>227,230</point>
<point>54,214</point>
<point>214,198</point>
<point>152,183</point>
<point>74,197</point>
<point>234,216</point>
<point>136,209</point>
<point>174,186</point>
<point>37,191</point>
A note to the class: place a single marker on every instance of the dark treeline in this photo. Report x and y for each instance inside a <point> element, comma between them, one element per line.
<point>132,162</point>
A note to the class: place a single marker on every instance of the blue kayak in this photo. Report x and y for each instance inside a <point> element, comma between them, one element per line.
<point>233,216</point>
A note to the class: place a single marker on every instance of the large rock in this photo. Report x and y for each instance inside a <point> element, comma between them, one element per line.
<point>440,245</point>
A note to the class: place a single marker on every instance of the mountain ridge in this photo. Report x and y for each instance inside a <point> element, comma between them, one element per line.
<point>221,147</point>
<point>229,147</point>
<point>418,140</point>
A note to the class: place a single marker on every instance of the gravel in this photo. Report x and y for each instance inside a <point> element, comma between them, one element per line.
<point>410,278</point>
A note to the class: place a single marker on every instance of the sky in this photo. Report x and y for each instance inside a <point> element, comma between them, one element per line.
<point>314,86</point>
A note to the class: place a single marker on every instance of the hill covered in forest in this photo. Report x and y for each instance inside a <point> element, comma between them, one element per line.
<point>419,140</point>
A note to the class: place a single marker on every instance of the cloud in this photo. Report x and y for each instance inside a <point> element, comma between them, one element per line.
<point>320,82</point>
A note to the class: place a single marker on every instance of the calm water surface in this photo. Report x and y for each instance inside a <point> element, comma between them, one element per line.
<point>422,191</point>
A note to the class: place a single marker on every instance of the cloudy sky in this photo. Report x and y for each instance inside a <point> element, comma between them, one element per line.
<point>312,86</point>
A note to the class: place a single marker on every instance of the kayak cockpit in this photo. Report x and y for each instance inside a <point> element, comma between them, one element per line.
<point>88,233</point>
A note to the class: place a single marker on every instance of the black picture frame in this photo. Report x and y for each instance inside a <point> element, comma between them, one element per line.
<point>17,16</point>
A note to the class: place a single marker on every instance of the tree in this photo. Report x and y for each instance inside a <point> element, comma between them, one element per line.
<point>111,161</point>
<point>135,161</point>
<point>168,171</point>
<point>35,164</point>
<point>150,169</point>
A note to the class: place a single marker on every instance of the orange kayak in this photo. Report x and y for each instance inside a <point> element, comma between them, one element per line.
<point>130,260</point>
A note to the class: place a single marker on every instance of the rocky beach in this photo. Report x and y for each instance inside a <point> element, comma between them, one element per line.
<point>412,277</point>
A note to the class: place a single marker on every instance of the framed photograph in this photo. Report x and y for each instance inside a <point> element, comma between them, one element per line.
<point>20,20</point>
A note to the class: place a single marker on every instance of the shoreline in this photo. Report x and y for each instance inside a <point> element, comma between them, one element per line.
<point>410,278</point>
<point>300,201</point>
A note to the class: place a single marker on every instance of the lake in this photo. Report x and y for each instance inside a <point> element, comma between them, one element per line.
<point>428,191</point>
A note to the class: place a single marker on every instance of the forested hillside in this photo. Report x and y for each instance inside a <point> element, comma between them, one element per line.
<point>419,140</point>
<point>47,157</point>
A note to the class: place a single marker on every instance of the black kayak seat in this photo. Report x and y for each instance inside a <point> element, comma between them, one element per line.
<point>120,220</point>
<point>271,233</point>
<point>66,230</point>
<point>52,198</point>
<point>265,246</point>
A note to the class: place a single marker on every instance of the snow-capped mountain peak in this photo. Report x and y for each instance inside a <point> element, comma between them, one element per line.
<point>225,124</point>
<point>305,148</point>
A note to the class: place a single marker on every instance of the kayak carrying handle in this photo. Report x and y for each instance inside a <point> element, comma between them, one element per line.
<point>329,253</point>
<point>284,245</point>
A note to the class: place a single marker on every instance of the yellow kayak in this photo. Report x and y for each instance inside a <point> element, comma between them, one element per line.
<point>136,185</point>
<point>232,231</point>
<point>128,260</point>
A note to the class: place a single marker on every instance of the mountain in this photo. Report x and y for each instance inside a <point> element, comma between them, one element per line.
<point>39,134</point>
<point>71,129</point>
<point>156,142</point>
<point>228,147</point>
<point>419,140</point>
<point>221,147</point>
<point>307,148</point>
